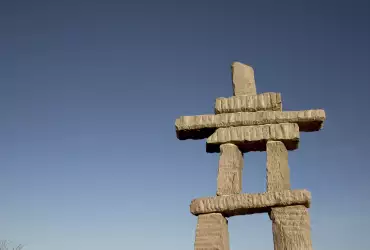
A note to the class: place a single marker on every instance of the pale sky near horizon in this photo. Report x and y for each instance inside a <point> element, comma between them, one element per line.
<point>90,90</point>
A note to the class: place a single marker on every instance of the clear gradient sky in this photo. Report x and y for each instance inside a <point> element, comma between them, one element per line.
<point>90,90</point>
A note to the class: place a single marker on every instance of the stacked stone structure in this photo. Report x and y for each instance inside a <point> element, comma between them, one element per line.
<point>243,123</point>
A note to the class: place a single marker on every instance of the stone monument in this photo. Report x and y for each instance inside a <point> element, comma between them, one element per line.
<point>244,123</point>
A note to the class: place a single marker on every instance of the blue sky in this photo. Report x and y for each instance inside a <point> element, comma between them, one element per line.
<point>90,90</point>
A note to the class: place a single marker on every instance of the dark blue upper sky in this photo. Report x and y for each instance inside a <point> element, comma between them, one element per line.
<point>90,90</point>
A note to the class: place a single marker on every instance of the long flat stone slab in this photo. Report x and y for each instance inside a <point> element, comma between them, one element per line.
<point>268,101</point>
<point>242,204</point>
<point>202,126</point>
<point>254,138</point>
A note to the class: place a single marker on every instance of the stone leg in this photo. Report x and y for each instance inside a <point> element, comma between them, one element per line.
<point>231,163</point>
<point>291,224</point>
<point>278,176</point>
<point>291,228</point>
<point>212,232</point>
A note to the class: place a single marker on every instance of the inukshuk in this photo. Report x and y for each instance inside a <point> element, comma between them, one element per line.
<point>244,123</point>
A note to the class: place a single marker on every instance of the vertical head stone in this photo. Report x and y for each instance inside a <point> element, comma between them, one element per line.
<point>243,79</point>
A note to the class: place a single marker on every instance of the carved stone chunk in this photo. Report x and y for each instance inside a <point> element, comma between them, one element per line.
<point>291,228</point>
<point>243,79</point>
<point>230,168</point>
<point>278,176</point>
<point>212,232</point>
<point>202,126</point>
<point>249,103</point>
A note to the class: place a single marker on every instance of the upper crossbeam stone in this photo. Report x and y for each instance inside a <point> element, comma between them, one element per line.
<point>268,101</point>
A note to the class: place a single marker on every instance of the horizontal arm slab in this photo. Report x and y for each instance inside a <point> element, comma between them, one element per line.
<point>202,126</point>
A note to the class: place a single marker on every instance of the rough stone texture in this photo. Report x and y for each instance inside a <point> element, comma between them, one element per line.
<point>291,228</point>
<point>230,168</point>
<point>202,126</point>
<point>212,232</point>
<point>243,79</point>
<point>278,176</point>
<point>241,204</point>
<point>261,102</point>
<point>254,138</point>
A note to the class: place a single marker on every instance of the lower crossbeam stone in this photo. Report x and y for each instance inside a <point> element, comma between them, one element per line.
<point>212,232</point>
<point>242,204</point>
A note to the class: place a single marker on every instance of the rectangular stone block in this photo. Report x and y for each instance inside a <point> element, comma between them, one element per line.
<point>230,168</point>
<point>241,204</point>
<point>243,79</point>
<point>249,103</point>
<point>278,175</point>
<point>291,228</point>
<point>202,126</point>
<point>212,232</point>
<point>254,138</point>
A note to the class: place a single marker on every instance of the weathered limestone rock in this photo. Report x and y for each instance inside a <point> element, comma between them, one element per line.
<point>254,138</point>
<point>202,126</point>
<point>212,232</point>
<point>243,79</point>
<point>241,204</point>
<point>291,228</point>
<point>278,176</point>
<point>230,168</point>
<point>249,103</point>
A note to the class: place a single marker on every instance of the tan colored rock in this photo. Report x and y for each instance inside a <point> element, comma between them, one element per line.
<point>212,232</point>
<point>202,126</point>
<point>243,79</point>
<point>241,204</point>
<point>254,138</point>
<point>291,228</point>
<point>249,103</point>
<point>230,168</point>
<point>278,174</point>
